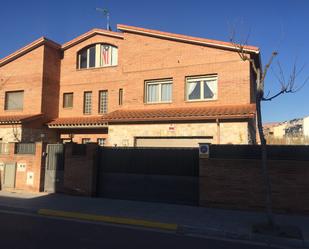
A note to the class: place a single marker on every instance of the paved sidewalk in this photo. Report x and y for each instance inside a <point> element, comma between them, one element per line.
<point>194,220</point>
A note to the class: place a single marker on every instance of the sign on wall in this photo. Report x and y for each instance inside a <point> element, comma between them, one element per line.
<point>204,150</point>
<point>172,127</point>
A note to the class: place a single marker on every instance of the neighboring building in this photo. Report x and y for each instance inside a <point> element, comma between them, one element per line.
<point>137,87</point>
<point>306,126</point>
<point>295,131</point>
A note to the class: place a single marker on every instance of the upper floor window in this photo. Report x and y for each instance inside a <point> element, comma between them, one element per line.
<point>120,96</point>
<point>87,102</point>
<point>103,101</point>
<point>202,88</point>
<point>14,100</point>
<point>67,100</point>
<point>158,91</point>
<point>98,55</point>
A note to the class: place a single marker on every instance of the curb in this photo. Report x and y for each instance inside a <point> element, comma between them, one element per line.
<point>109,219</point>
<point>18,209</point>
<point>277,242</point>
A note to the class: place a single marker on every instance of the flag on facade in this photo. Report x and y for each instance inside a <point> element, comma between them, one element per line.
<point>105,55</point>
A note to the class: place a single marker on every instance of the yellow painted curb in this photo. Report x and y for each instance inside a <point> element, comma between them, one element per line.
<point>108,219</point>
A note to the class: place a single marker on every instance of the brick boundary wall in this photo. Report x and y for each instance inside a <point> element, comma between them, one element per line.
<point>35,164</point>
<point>238,183</point>
<point>80,170</point>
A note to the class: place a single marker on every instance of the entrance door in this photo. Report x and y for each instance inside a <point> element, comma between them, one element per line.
<point>54,168</point>
<point>9,175</point>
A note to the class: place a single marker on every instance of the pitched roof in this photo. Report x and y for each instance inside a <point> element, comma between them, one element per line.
<point>37,43</point>
<point>18,119</point>
<point>76,122</point>
<point>160,115</point>
<point>183,113</point>
<point>89,34</point>
<point>186,38</point>
<point>126,28</point>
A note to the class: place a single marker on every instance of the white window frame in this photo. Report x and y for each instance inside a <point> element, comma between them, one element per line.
<point>101,111</point>
<point>202,79</point>
<point>87,103</point>
<point>160,83</point>
<point>98,56</point>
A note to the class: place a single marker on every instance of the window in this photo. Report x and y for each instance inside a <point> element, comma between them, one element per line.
<point>103,101</point>
<point>158,91</point>
<point>98,55</point>
<point>201,88</point>
<point>101,141</point>
<point>14,100</point>
<point>86,140</point>
<point>87,102</point>
<point>120,96</point>
<point>67,100</point>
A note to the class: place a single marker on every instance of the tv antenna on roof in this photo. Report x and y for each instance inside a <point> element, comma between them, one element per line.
<point>105,13</point>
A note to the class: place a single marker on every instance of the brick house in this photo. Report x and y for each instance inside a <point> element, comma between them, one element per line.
<point>135,87</point>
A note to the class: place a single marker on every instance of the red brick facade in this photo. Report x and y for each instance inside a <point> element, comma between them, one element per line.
<point>29,168</point>
<point>45,71</point>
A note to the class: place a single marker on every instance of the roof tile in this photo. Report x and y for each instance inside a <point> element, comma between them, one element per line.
<point>16,119</point>
<point>157,115</point>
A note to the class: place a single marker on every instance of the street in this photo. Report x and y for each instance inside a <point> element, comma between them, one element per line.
<point>24,231</point>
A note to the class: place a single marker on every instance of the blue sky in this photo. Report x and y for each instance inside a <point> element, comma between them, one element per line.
<point>273,25</point>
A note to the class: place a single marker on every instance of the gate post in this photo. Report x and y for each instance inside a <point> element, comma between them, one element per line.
<point>80,169</point>
<point>204,151</point>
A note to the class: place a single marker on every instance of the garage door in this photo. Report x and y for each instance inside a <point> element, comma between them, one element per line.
<point>171,141</point>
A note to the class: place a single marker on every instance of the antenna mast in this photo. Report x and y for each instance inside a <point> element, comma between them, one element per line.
<point>105,13</point>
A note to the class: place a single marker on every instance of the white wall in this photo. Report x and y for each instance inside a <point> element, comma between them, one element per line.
<point>306,126</point>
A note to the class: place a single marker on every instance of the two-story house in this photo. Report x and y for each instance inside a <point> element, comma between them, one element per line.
<point>29,92</point>
<point>135,87</point>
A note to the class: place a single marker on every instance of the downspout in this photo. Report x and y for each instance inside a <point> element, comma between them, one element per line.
<point>218,131</point>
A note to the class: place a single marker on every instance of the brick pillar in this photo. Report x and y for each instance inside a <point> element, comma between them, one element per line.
<point>204,149</point>
<point>80,169</point>
<point>39,161</point>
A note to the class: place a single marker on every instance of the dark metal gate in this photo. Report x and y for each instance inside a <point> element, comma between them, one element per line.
<point>54,168</point>
<point>149,174</point>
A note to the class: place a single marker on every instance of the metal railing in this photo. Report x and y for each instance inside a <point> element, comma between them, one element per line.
<point>25,148</point>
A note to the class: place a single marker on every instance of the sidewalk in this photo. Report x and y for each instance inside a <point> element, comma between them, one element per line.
<point>189,220</point>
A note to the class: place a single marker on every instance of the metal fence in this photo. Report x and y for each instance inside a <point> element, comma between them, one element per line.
<point>25,148</point>
<point>274,152</point>
<point>150,161</point>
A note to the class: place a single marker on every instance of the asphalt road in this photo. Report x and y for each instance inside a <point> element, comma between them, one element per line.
<point>23,231</point>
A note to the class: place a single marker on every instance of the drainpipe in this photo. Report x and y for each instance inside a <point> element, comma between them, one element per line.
<point>218,131</point>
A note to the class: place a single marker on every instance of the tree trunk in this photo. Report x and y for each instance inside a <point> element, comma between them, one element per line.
<point>265,173</point>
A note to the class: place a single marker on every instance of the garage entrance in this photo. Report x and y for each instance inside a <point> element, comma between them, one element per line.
<point>149,174</point>
<point>172,141</point>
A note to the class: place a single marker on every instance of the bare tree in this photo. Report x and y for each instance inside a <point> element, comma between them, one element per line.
<point>287,85</point>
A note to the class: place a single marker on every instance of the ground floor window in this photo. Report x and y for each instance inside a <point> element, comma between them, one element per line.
<point>86,140</point>
<point>101,141</point>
